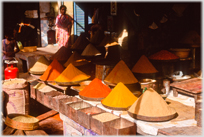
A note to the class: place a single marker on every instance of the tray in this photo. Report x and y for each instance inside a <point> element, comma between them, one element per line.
<point>20,125</point>
<point>193,85</point>
<point>68,83</point>
<point>90,99</point>
<point>116,108</point>
<point>37,73</point>
<point>181,78</point>
<point>152,119</point>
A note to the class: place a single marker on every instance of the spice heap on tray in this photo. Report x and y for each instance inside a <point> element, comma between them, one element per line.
<point>53,71</point>
<point>151,104</point>
<point>40,66</point>
<point>62,54</point>
<point>97,37</point>
<point>163,55</point>
<point>121,73</point>
<point>80,43</point>
<point>96,89</point>
<point>90,50</point>
<point>74,59</point>
<point>71,74</point>
<point>119,98</point>
<point>143,65</point>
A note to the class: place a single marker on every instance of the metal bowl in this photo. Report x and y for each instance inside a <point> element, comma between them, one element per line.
<point>181,53</point>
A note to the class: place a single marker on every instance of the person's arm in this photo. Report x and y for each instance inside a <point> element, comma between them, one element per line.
<point>69,24</point>
<point>4,52</point>
<point>16,46</point>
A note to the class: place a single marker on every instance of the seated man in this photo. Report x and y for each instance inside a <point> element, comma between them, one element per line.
<point>9,47</point>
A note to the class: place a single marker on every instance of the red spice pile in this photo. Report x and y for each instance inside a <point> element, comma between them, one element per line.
<point>96,89</point>
<point>163,55</point>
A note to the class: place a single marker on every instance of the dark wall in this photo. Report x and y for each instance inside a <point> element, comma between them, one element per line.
<point>14,13</point>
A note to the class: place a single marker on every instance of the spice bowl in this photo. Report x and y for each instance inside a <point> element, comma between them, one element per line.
<point>181,53</point>
<point>63,103</point>
<point>98,121</point>
<point>84,115</point>
<point>148,83</point>
<point>119,126</point>
<point>73,108</point>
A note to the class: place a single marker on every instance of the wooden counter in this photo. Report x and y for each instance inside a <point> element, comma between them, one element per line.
<point>177,126</point>
<point>32,57</point>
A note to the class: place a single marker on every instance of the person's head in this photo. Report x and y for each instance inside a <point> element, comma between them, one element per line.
<point>9,34</point>
<point>63,9</point>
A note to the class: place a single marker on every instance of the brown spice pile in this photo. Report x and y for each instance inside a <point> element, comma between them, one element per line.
<point>81,42</point>
<point>62,54</point>
<point>143,65</point>
<point>163,55</point>
<point>151,104</point>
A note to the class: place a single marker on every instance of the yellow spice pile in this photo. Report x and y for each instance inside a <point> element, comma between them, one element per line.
<point>151,104</point>
<point>121,73</point>
<point>119,97</point>
<point>71,74</point>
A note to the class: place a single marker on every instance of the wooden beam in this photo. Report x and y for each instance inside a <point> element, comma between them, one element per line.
<point>47,115</point>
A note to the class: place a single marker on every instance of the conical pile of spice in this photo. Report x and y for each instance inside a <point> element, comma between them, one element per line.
<point>96,90</point>
<point>62,54</point>
<point>53,71</point>
<point>163,55</point>
<point>80,43</point>
<point>97,37</point>
<point>90,50</point>
<point>76,59</point>
<point>121,73</point>
<point>107,39</point>
<point>192,37</point>
<point>71,74</point>
<point>143,65</point>
<point>119,97</point>
<point>151,104</point>
<point>40,66</point>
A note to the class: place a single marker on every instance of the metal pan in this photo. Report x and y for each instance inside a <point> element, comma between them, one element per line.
<point>152,119</point>
<point>115,108</point>
<point>11,122</point>
<point>90,99</point>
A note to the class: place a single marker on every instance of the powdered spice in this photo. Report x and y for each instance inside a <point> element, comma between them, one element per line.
<point>163,55</point>
<point>90,50</point>
<point>73,59</point>
<point>119,97</point>
<point>96,89</point>
<point>143,65</point>
<point>71,74</point>
<point>121,73</point>
<point>41,65</point>
<point>62,54</point>
<point>81,42</point>
<point>53,71</point>
<point>151,104</point>
<point>105,117</point>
